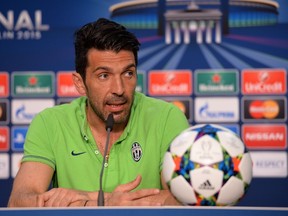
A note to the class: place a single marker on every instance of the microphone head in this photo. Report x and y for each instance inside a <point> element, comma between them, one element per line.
<point>109,122</point>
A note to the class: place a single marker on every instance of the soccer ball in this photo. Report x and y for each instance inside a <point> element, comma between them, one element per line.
<point>207,165</point>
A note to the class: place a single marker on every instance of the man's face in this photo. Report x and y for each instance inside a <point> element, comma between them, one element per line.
<point>110,83</point>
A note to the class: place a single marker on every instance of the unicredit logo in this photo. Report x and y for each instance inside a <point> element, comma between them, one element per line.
<point>170,82</point>
<point>264,81</point>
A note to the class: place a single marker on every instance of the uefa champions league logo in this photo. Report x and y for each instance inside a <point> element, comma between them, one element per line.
<point>206,147</point>
<point>207,150</point>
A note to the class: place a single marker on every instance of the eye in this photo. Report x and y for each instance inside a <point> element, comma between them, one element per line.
<point>129,74</point>
<point>103,76</point>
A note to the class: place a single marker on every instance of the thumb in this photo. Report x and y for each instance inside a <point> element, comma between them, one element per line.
<point>129,186</point>
<point>39,201</point>
<point>42,198</point>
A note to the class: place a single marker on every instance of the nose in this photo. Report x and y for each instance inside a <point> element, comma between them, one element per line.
<point>118,87</point>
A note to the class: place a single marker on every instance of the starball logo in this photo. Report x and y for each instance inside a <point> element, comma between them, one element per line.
<point>25,25</point>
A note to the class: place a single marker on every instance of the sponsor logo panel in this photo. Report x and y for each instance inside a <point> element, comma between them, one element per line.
<point>4,165</point>
<point>33,84</point>
<point>265,136</point>
<point>216,82</point>
<point>263,108</point>
<point>4,139</point>
<point>18,135</point>
<point>264,81</point>
<point>4,111</point>
<point>216,109</point>
<point>65,84</point>
<point>174,82</point>
<point>269,164</point>
<point>141,82</point>
<point>184,104</point>
<point>4,84</point>
<point>15,163</point>
<point>23,111</point>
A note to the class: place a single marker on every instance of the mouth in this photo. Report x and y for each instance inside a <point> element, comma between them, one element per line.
<point>116,106</point>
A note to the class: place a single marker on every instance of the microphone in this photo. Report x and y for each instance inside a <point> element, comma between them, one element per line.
<point>109,127</point>
<point>109,122</point>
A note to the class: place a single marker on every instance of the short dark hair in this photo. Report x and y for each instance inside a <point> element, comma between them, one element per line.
<point>102,34</point>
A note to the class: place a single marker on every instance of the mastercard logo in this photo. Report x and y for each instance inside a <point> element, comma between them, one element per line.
<point>268,109</point>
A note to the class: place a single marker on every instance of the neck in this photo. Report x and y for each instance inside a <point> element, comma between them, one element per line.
<point>98,129</point>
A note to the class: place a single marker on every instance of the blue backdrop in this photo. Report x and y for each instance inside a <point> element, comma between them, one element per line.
<point>38,36</point>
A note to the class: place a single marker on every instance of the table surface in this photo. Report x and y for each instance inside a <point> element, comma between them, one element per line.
<point>147,211</point>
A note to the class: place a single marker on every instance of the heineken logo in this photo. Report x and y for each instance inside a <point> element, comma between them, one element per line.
<point>216,82</point>
<point>33,84</point>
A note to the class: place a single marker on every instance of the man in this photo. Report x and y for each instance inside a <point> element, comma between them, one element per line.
<point>66,143</point>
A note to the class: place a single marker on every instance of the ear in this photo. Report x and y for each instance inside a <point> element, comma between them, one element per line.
<point>79,83</point>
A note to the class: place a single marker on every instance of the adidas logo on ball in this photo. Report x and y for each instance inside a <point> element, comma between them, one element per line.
<point>206,186</point>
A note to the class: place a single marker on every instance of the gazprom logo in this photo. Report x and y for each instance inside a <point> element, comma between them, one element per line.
<point>25,25</point>
<point>216,109</point>
<point>206,112</point>
<point>22,114</point>
<point>23,111</point>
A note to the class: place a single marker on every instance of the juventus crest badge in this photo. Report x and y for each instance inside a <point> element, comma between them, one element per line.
<point>136,151</point>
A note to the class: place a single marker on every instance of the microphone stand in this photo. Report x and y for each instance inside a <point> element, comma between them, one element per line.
<point>109,126</point>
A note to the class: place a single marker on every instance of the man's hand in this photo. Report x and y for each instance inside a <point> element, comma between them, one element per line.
<point>124,196</point>
<point>61,197</point>
<point>121,196</point>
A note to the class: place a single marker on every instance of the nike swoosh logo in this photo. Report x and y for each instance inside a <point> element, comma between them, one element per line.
<point>77,153</point>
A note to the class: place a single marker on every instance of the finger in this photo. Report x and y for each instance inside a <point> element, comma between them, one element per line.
<point>66,197</point>
<point>129,186</point>
<point>60,199</point>
<point>40,201</point>
<point>44,197</point>
<point>56,198</point>
<point>49,203</point>
<point>143,193</point>
<point>63,199</point>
